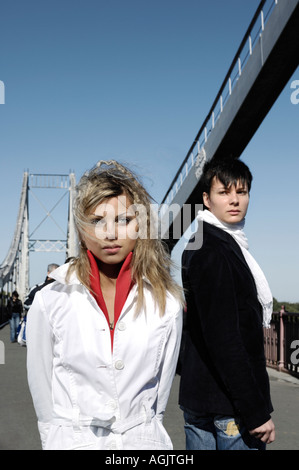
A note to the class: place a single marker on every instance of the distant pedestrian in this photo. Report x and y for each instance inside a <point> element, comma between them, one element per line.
<point>15,310</point>
<point>103,340</point>
<point>29,299</point>
<point>224,391</point>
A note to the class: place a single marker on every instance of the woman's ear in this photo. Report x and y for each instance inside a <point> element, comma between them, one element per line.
<point>82,244</point>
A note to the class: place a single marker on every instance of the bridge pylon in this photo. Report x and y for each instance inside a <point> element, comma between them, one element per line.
<point>14,270</point>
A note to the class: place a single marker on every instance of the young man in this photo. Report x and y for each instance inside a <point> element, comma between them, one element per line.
<point>224,388</point>
<point>15,310</point>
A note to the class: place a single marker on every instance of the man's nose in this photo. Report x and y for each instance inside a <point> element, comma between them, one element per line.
<point>234,197</point>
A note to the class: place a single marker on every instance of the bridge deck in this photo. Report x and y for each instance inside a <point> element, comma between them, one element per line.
<point>18,430</point>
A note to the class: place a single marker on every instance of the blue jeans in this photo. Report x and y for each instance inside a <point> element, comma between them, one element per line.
<point>218,433</point>
<point>14,323</point>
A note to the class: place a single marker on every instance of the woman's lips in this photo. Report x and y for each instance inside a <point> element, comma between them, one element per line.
<point>112,249</point>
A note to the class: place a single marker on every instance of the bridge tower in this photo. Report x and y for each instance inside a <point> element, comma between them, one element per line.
<point>14,270</point>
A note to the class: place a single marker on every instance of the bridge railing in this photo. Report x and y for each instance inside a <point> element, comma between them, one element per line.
<point>8,265</point>
<point>195,154</point>
<point>281,342</point>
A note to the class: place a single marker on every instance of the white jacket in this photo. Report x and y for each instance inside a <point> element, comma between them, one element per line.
<point>87,396</point>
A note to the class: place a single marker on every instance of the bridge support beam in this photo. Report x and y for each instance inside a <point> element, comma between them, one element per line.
<point>271,64</point>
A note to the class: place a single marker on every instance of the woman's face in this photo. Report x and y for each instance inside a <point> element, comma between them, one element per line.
<point>113,228</point>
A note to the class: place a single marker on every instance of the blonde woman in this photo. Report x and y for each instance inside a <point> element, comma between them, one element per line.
<point>103,340</point>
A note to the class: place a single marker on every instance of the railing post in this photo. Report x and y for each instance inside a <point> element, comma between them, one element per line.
<point>281,339</point>
<point>250,45</point>
<point>262,20</point>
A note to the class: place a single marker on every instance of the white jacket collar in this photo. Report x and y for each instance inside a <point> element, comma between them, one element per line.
<point>60,273</point>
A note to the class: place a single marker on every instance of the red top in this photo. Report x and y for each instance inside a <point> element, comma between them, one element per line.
<point>124,284</point>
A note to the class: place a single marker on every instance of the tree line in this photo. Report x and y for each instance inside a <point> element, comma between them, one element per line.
<point>288,306</point>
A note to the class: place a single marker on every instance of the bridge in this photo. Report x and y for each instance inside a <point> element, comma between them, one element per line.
<point>14,271</point>
<point>266,59</point>
<point>264,62</point>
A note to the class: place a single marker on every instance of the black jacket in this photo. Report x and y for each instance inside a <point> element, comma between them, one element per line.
<point>223,368</point>
<point>14,307</point>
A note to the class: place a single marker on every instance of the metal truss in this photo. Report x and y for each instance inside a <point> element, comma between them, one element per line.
<point>14,270</point>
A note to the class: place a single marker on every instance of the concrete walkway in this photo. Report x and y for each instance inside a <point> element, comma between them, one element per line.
<point>18,429</point>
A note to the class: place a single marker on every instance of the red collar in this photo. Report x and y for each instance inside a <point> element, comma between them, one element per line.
<point>124,284</point>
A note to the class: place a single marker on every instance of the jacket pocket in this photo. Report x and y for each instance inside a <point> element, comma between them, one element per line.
<point>67,438</point>
<point>153,436</point>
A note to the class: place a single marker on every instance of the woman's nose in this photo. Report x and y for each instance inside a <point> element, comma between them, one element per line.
<point>111,230</point>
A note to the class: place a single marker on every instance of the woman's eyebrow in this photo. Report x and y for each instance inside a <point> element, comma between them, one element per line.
<point>97,215</point>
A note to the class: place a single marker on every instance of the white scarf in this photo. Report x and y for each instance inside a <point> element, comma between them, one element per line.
<point>236,231</point>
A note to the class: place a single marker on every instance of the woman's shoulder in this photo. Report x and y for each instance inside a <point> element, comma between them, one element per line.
<point>60,275</point>
<point>55,291</point>
<point>173,303</point>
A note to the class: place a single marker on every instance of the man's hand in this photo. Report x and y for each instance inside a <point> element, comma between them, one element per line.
<point>265,432</point>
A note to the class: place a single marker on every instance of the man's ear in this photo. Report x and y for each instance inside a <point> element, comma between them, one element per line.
<point>206,200</point>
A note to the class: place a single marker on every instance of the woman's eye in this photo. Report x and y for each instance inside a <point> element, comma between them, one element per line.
<point>96,221</point>
<point>124,220</point>
<point>101,222</point>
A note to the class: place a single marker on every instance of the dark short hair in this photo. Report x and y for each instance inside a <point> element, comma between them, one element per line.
<point>15,294</point>
<point>227,170</point>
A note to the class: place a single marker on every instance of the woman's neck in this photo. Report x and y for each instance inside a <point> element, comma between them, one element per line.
<point>109,272</point>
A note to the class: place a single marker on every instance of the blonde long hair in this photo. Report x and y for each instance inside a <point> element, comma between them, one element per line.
<point>151,259</point>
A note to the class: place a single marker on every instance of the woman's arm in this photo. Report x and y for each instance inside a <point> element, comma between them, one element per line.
<point>39,363</point>
<point>171,354</point>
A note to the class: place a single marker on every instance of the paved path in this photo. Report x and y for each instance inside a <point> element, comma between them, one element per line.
<point>285,399</point>
<point>18,430</point>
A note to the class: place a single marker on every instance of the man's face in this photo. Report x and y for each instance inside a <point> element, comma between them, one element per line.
<point>228,204</point>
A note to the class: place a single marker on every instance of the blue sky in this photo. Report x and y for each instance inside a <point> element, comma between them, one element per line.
<point>134,80</point>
